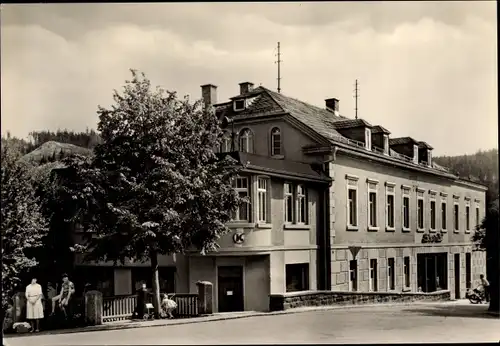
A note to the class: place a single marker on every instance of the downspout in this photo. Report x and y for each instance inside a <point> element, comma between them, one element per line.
<point>327,231</point>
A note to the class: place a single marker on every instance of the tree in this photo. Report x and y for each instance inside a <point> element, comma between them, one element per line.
<point>22,223</point>
<point>154,186</point>
<point>486,238</point>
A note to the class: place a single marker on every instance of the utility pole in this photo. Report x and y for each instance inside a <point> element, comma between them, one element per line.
<point>356,99</point>
<point>279,61</point>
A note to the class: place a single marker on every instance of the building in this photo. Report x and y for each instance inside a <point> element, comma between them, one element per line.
<point>335,204</point>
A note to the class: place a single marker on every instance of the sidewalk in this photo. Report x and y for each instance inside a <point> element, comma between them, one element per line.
<point>130,324</point>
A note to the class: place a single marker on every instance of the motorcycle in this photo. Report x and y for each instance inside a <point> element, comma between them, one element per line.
<point>476,296</point>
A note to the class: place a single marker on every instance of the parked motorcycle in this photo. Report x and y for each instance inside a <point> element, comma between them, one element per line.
<point>476,296</point>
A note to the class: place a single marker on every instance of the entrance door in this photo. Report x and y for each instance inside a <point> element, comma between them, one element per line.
<point>457,276</point>
<point>468,270</point>
<point>230,288</point>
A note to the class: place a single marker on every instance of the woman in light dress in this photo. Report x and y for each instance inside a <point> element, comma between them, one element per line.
<point>34,306</point>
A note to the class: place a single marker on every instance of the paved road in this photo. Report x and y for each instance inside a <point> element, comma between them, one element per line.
<point>436,322</point>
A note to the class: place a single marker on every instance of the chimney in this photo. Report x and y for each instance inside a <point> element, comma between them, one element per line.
<point>245,87</point>
<point>209,94</point>
<point>332,105</point>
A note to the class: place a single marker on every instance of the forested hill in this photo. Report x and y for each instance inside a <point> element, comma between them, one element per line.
<point>481,166</point>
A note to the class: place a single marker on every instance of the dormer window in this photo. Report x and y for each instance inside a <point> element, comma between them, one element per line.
<point>386,144</point>
<point>415,153</point>
<point>368,139</point>
<point>246,141</point>
<point>239,105</point>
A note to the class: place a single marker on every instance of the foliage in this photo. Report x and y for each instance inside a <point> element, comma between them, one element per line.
<point>23,225</point>
<point>154,186</point>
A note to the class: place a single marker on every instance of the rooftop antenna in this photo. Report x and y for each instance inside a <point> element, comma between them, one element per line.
<point>356,95</point>
<point>279,61</point>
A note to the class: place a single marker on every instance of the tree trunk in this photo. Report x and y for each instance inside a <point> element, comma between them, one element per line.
<point>156,284</point>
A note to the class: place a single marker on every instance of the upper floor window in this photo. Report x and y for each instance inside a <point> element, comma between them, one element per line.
<point>372,205</point>
<point>390,207</point>
<point>467,216</point>
<point>246,141</point>
<point>276,141</point>
<point>239,105</point>
<point>288,200</point>
<point>433,214</point>
<point>225,145</point>
<point>478,221</point>
<point>443,215</point>
<point>301,204</point>
<point>406,209</point>
<point>262,188</point>
<point>420,210</point>
<point>456,216</point>
<point>241,186</point>
<point>352,202</point>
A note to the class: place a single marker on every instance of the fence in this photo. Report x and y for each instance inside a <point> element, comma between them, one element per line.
<point>122,307</point>
<point>118,308</point>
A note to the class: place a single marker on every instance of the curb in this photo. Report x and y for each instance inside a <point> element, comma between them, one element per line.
<point>203,319</point>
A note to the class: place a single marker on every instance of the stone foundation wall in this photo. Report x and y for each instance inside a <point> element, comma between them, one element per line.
<point>279,302</point>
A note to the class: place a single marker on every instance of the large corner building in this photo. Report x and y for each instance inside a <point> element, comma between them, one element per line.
<point>335,204</point>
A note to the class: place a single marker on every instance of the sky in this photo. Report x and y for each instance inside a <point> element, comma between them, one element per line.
<point>425,69</point>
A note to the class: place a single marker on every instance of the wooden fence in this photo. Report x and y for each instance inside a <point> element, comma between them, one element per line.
<point>122,307</point>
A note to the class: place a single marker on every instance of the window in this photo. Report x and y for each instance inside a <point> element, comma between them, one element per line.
<point>415,153</point>
<point>373,275</point>
<point>390,207</point>
<point>246,141</point>
<point>420,210</point>
<point>225,144</point>
<point>243,212</point>
<point>386,144</point>
<point>372,205</point>
<point>297,277</point>
<point>443,215</point>
<point>368,139</point>
<point>406,209</point>
<point>262,199</point>
<point>352,203</point>
<point>406,270</point>
<point>433,215</point>
<point>275,141</point>
<point>390,274</point>
<point>353,275</point>
<point>239,105</point>
<point>467,218</point>
<point>455,217</point>
<point>478,221</point>
<point>288,199</point>
<point>301,204</point>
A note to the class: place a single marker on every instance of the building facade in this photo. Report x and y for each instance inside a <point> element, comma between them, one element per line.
<point>334,204</point>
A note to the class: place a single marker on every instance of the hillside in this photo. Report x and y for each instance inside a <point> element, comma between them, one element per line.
<point>53,151</point>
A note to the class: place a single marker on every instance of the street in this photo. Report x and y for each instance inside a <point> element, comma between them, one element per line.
<point>420,322</point>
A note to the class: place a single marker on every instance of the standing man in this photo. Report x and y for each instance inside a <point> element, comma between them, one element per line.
<point>486,287</point>
<point>67,290</point>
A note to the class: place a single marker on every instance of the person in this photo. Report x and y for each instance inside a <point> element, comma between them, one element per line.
<point>51,293</point>
<point>486,287</point>
<point>34,306</point>
<point>168,305</point>
<point>142,294</point>
<point>67,290</point>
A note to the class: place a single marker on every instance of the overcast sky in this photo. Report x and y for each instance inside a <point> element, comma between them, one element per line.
<point>426,70</point>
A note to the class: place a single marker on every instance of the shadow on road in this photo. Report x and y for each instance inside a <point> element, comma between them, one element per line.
<point>471,311</point>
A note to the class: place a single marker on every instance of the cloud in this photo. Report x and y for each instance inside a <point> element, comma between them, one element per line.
<point>428,77</point>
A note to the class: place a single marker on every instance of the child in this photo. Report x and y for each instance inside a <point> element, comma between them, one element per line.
<point>168,305</point>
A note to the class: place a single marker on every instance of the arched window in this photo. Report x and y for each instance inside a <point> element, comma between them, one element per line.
<point>246,141</point>
<point>225,145</point>
<point>275,141</point>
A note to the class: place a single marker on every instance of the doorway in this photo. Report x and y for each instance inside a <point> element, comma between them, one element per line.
<point>457,276</point>
<point>468,271</point>
<point>230,288</point>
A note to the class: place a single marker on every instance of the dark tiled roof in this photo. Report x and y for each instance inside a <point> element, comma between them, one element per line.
<point>422,144</point>
<point>402,140</point>
<point>280,167</point>
<point>380,129</point>
<point>350,123</point>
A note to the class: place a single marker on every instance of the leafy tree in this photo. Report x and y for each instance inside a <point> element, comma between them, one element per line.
<point>155,186</point>
<point>22,223</point>
<point>486,238</point>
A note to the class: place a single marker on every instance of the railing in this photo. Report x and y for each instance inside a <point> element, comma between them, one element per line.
<point>118,308</point>
<point>122,307</point>
<point>187,305</point>
<point>355,143</point>
<point>424,163</point>
<point>378,150</point>
<point>401,156</point>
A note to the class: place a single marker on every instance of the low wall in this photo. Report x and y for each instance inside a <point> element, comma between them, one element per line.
<point>285,301</point>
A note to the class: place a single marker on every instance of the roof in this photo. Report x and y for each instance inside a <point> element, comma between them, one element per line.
<point>380,129</point>
<point>402,140</point>
<point>284,168</point>
<point>350,123</point>
<point>424,145</point>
